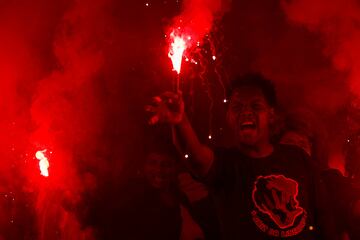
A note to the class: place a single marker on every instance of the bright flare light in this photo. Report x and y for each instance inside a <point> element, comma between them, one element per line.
<point>176,52</point>
<point>43,163</point>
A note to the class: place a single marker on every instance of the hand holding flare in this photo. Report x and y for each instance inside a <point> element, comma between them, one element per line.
<point>167,108</point>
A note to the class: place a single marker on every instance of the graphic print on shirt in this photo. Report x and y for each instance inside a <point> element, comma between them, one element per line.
<point>278,212</point>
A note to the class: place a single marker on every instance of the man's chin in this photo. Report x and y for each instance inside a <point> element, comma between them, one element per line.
<point>248,143</point>
<point>248,140</point>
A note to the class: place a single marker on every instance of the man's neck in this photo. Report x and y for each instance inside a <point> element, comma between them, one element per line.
<point>258,151</point>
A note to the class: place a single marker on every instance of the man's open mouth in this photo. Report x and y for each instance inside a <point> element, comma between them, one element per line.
<point>158,178</point>
<point>248,125</point>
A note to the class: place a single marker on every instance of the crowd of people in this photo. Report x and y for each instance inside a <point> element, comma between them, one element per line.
<point>272,184</point>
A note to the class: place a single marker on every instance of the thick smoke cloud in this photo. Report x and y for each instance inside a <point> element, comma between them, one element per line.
<point>198,16</point>
<point>337,25</point>
<point>60,93</point>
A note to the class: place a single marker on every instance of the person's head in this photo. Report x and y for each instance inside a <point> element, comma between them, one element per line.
<point>298,130</point>
<point>296,138</point>
<point>160,169</point>
<point>251,109</point>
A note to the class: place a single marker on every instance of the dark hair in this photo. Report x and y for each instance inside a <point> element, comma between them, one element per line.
<point>258,81</point>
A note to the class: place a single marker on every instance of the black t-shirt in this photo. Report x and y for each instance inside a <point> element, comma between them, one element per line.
<point>264,198</point>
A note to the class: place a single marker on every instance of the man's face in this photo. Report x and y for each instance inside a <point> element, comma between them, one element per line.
<point>249,115</point>
<point>160,170</point>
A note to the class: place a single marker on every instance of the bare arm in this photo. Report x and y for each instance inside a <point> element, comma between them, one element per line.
<point>186,140</point>
<point>169,108</point>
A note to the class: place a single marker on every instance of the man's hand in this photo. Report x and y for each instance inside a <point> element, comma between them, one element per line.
<point>166,108</point>
<point>169,108</point>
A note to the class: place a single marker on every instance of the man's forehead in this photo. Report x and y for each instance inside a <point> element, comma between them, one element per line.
<point>247,93</point>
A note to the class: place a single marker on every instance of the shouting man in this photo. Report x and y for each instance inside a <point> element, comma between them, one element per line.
<point>262,191</point>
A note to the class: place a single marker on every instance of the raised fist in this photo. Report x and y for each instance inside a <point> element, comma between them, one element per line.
<point>166,108</point>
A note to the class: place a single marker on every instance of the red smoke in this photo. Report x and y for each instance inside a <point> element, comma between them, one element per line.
<point>197,16</point>
<point>74,78</point>
<point>337,22</point>
<point>196,19</point>
<point>50,68</point>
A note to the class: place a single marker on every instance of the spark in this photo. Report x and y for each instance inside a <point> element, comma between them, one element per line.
<point>186,156</point>
<point>194,61</point>
<point>210,137</point>
<point>147,4</point>
<point>225,100</point>
<point>214,58</point>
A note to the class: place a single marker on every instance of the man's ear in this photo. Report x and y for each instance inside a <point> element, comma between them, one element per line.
<point>272,115</point>
<point>230,119</point>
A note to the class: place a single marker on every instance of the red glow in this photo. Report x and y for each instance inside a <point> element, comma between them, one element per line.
<point>177,49</point>
<point>191,26</point>
<point>43,163</point>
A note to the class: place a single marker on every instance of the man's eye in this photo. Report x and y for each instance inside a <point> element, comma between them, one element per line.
<point>237,107</point>
<point>258,106</point>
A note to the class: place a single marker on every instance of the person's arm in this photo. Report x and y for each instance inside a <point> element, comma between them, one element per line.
<point>200,156</point>
<point>169,108</point>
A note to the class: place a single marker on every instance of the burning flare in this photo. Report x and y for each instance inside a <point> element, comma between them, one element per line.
<point>43,163</point>
<point>176,52</point>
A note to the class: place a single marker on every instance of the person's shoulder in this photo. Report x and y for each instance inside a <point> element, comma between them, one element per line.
<point>332,173</point>
<point>291,150</point>
<point>297,155</point>
<point>335,181</point>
